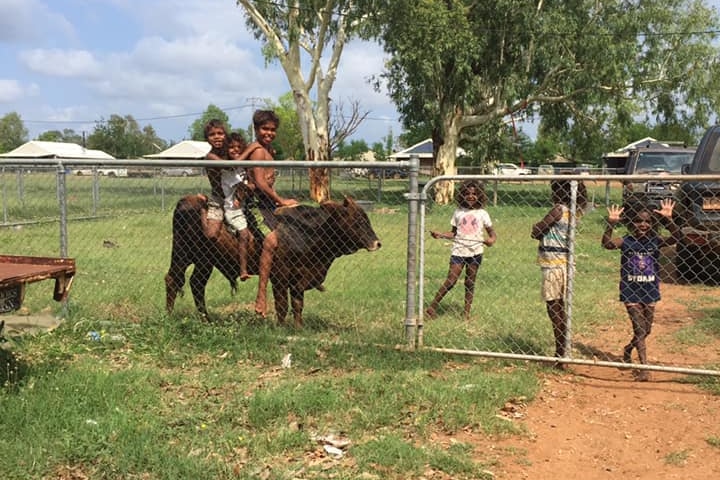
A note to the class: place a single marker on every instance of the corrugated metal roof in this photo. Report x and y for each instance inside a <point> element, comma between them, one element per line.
<point>185,149</point>
<point>40,149</point>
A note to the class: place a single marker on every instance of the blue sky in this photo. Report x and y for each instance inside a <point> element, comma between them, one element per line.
<point>70,63</point>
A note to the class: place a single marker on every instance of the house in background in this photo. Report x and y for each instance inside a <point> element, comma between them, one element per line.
<point>424,151</point>
<point>186,150</point>
<point>40,149</point>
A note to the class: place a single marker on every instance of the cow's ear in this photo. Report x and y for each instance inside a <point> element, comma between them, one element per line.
<point>349,201</point>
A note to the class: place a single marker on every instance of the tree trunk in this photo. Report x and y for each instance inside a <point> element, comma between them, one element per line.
<point>445,149</point>
<point>315,138</point>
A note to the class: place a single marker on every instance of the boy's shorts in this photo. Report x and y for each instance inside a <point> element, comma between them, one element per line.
<point>554,281</point>
<point>475,260</point>
<point>214,210</point>
<point>236,219</point>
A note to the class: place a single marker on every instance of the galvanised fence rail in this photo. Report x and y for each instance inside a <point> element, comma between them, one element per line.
<point>120,231</point>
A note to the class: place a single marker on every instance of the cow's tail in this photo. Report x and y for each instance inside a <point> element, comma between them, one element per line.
<point>186,223</point>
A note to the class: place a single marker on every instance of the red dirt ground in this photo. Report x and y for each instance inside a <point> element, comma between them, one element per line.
<point>598,423</point>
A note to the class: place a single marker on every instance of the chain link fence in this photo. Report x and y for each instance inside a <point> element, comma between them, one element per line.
<point>119,228</point>
<point>510,319</point>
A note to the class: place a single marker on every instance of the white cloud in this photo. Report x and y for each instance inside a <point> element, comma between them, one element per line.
<point>61,63</point>
<point>30,20</point>
<point>10,91</point>
<point>183,56</point>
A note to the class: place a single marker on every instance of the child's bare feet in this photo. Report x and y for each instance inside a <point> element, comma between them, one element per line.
<point>261,305</point>
<point>627,354</point>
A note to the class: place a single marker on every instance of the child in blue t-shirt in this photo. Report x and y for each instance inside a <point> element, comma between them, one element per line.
<point>639,275</point>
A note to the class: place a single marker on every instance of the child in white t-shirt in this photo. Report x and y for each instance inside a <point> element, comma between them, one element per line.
<point>469,222</point>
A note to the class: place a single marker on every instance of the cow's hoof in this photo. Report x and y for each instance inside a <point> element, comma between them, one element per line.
<point>320,288</point>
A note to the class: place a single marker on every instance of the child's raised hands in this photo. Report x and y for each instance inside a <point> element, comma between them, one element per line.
<point>666,208</point>
<point>614,212</point>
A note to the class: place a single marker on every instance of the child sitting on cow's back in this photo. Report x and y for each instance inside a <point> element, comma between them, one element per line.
<point>216,135</point>
<point>266,123</point>
<point>469,222</point>
<point>236,192</point>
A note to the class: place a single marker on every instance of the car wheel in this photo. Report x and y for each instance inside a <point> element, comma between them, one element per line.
<point>185,174</point>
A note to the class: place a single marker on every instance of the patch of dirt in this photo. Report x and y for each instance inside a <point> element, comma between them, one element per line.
<point>598,423</point>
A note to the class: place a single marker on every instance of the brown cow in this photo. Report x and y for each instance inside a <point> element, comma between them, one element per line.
<point>309,240</point>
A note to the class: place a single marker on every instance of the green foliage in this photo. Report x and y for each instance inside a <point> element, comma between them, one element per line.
<point>122,137</point>
<point>67,135</point>
<point>289,141</point>
<point>353,151</point>
<point>581,68</point>
<point>196,131</point>
<point>12,132</point>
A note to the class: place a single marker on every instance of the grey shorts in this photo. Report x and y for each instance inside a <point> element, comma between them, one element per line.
<point>236,219</point>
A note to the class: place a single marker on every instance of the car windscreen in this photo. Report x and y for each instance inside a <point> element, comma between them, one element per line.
<point>667,162</point>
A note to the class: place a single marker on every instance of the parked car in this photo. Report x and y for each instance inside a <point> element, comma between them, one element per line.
<point>697,213</point>
<point>178,172</point>
<point>546,170</point>
<point>654,159</point>
<point>510,169</point>
<point>108,172</point>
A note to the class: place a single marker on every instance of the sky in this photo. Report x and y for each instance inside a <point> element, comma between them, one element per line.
<point>71,63</point>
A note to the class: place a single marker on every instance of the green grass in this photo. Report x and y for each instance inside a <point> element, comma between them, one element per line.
<point>177,397</point>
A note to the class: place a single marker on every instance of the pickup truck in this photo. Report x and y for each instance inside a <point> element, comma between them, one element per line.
<point>697,213</point>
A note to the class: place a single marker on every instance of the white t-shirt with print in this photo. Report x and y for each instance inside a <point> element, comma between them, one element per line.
<point>470,233</point>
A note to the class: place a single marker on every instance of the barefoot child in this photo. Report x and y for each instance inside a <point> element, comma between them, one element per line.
<point>236,193</point>
<point>469,223</point>
<point>639,276</point>
<point>553,233</point>
<point>216,136</point>
<point>266,123</point>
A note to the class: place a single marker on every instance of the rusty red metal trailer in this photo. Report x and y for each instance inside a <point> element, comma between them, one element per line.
<point>16,271</point>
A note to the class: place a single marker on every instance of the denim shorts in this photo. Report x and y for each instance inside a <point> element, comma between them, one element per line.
<point>476,260</point>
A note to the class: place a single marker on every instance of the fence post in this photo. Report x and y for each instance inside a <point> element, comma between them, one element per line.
<point>62,205</point>
<point>570,268</point>
<point>413,199</point>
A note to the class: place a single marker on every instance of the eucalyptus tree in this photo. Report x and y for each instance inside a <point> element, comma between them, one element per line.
<point>12,132</point>
<point>212,112</point>
<point>580,65</point>
<point>122,137</point>
<point>296,35</point>
<point>67,135</point>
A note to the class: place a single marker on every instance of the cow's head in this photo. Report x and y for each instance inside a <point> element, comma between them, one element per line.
<point>354,226</point>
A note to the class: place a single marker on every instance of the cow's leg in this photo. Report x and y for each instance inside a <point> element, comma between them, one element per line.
<point>198,282</point>
<point>174,282</point>
<point>298,302</point>
<point>280,295</point>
